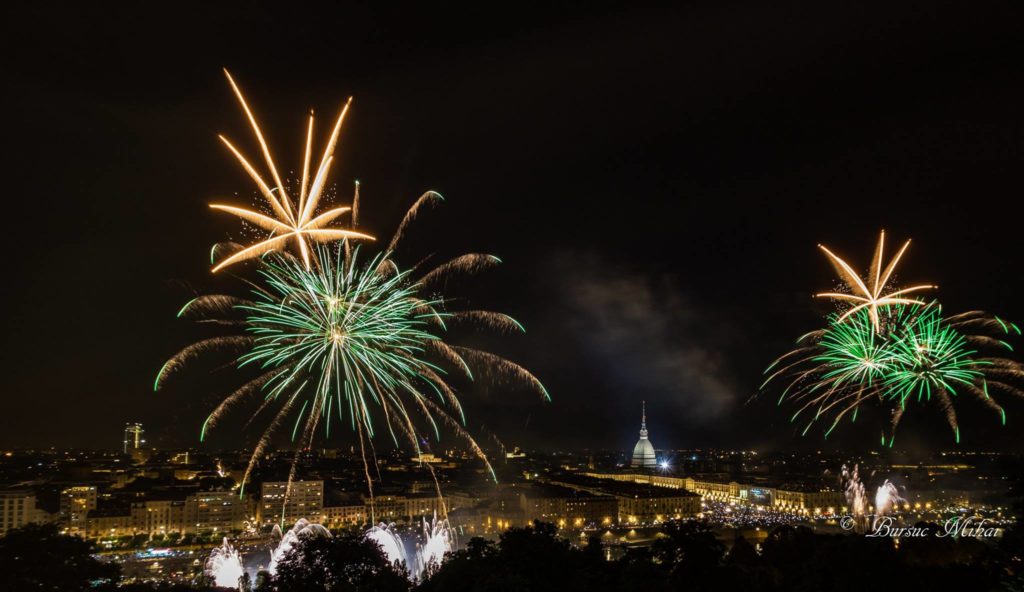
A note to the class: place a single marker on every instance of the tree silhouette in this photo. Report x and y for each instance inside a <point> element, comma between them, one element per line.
<point>39,558</point>
<point>345,563</point>
<point>530,559</point>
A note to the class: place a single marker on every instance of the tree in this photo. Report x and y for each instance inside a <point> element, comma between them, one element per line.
<point>38,557</point>
<point>531,559</point>
<point>690,551</point>
<point>346,563</point>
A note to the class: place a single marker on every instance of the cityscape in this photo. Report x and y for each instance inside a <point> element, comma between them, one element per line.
<point>409,297</point>
<point>159,513</point>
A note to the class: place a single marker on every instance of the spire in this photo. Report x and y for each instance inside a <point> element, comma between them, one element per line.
<point>643,453</point>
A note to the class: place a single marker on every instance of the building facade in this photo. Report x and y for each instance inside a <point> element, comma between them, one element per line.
<point>17,508</point>
<point>75,505</point>
<point>278,503</point>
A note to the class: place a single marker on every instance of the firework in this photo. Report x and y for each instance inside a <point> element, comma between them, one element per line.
<point>875,291</point>
<point>918,356</point>
<point>292,222</point>
<point>887,500</point>
<point>353,341</point>
<point>224,566</point>
<point>437,541</point>
<point>390,542</point>
<point>856,496</point>
<point>303,530</point>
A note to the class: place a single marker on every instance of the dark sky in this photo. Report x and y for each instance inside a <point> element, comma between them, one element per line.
<point>655,179</point>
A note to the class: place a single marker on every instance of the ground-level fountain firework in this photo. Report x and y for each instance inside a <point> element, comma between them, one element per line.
<point>420,554</point>
<point>886,501</point>
<point>303,529</point>
<point>436,540</point>
<point>225,566</point>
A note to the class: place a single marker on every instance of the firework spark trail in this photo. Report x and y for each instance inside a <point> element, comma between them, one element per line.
<point>919,357</point>
<point>485,318</point>
<point>230,343</point>
<point>470,263</point>
<point>213,306</point>
<point>293,223</point>
<point>871,294</point>
<point>427,199</point>
<point>499,366</point>
<point>250,388</point>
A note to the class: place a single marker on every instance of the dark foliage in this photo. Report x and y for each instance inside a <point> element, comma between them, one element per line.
<point>38,557</point>
<point>345,563</point>
<point>688,556</point>
<point>524,559</point>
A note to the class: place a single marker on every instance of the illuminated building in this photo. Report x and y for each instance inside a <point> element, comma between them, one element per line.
<point>340,516</point>
<point>218,511</point>
<point>423,506</point>
<point>785,497</point>
<point>649,505</point>
<point>17,508</point>
<point>807,500</point>
<point>305,499</point>
<point>385,508</point>
<point>566,507</point>
<point>162,517</point>
<point>133,437</point>
<point>75,505</point>
<point>515,453</point>
<point>200,513</point>
<point>109,522</point>
<point>426,457</point>
<point>636,503</point>
<point>643,452</point>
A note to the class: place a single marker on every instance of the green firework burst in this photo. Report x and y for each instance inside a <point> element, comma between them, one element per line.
<point>913,355</point>
<point>360,342</point>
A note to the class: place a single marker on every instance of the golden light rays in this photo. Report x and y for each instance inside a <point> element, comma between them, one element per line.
<point>870,293</point>
<point>294,223</point>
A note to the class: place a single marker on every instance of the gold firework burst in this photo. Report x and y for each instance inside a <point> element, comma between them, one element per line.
<point>293,223</point>
<point>870,293</point>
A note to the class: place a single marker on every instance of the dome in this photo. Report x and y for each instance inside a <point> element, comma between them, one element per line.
<point>643,455</point>
<point>643,452</point>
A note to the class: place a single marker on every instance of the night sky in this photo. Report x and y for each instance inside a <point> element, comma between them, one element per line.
<point>654,179</point>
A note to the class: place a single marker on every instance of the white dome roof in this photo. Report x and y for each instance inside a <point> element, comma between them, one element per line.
<point>643,452</point>
<point>643,455</point>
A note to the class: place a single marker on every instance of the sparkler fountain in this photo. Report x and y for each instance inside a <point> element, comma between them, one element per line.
<point>225,566</point>
<point>887,499</point>
<point>438,540</point>
<point>856,498</point>
<point>303,529</point>
<point>390,543</point>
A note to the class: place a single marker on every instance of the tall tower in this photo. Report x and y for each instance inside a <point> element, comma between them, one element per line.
<point>643,452</point>
<point>133,436</point>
